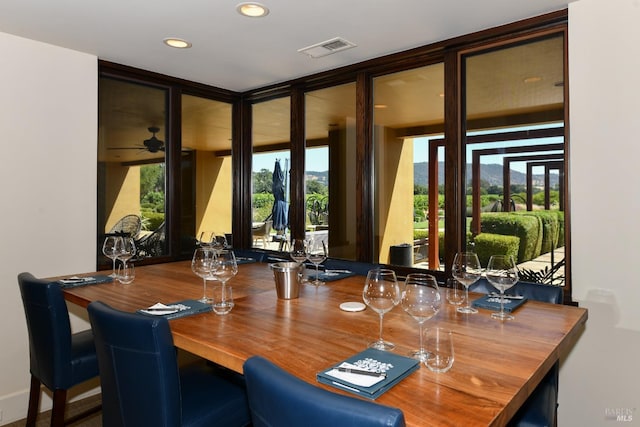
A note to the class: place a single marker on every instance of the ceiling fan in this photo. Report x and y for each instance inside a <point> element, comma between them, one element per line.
<point>152,145</point>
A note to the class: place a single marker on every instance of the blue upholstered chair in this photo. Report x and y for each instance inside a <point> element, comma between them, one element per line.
<point>541,407</point>
<point>58,358</point>
<point>279,399</point>
<point>142,384</point>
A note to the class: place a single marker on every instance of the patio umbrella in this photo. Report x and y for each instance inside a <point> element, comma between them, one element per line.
<point>279,210</point>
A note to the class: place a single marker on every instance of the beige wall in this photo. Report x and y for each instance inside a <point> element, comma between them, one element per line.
<point>48,122</point>
<point>213,193</point>
<point>602,373</point>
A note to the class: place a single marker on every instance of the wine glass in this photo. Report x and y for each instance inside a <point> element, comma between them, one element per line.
<point>218,242</point>
<point>298,250</point>
<point>225,266</point>
<point>317,253</point>
<point>204,238</point>
<point>202,264</point>
<point>421,300</point>
<point>110,250</point>
<point>466,270</point>
<point>381,293</point>
<point>126,248</point>
<point>502,273</point>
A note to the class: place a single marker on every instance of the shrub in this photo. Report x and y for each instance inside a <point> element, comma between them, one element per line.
<point>152,220</point>
<point>550,228</point>
<point>526,227</point>
<point>487,244</point>
<point>420,233</point>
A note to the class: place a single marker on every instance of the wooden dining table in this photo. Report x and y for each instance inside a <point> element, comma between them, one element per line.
<point>497,363</point>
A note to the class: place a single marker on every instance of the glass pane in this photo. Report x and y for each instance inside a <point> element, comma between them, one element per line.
<point>409,168</point>
<point>515,156</point>
<point>131,164</point>
<point>330,190</point>
<point>271,150</point>
<point>207,179</point>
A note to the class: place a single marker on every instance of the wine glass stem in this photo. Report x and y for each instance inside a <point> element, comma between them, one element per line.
<point>501,303</point>
<point>204,289</point>
<point>317,273</point>
<point>381,316</point>
<point>466,295</point>
<point>114,267</point>
<point>421,346</point>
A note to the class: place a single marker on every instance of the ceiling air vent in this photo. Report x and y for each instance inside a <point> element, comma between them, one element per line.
<point>327,47</point>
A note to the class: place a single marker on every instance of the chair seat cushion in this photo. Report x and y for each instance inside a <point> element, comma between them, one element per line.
<point>84,363</point>
<point>208,399</point>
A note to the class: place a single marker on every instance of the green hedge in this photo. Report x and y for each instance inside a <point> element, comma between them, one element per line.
<point>526,227</point>
<point>487,244</point>
<point>550,228</point>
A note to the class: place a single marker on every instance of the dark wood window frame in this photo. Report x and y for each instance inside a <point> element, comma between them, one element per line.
<point>450,52</point>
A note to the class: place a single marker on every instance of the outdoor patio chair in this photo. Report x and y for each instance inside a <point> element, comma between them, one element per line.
<point>262,232</point>
<point>128,225</point>
<point>152,244</point>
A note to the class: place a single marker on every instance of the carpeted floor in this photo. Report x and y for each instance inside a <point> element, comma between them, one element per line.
<point>94,420</point>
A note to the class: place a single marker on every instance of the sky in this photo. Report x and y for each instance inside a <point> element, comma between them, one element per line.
<point>317,159</point>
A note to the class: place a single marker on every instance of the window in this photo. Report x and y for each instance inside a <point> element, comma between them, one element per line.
<point>132,144</point>
<point>515,155</point>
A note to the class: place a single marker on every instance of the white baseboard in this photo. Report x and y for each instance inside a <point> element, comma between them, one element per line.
<point>14,406</point>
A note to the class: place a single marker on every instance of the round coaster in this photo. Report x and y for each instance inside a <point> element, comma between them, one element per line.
<point>352,306</point>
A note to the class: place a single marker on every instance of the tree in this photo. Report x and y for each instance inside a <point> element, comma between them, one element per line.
<point>262,181</point>
<point>314,186</point>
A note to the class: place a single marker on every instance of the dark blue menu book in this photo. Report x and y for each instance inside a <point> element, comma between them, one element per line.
<point>174,310</point>
<point>385,370</point>
<point>491,302</point>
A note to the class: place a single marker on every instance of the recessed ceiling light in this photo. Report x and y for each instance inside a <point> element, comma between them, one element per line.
<point>177,43</point>
<point>380,106</point>
<point>252,9</point>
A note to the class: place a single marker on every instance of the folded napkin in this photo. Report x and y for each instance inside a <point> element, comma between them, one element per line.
<point>329,275</point>
<point>176,309</point>
<point>491,302</point>
<point>75,281</point>
<point>355,379</point>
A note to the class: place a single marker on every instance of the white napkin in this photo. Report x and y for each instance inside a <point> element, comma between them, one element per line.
<point>355,379</point>
<point>160,309</point>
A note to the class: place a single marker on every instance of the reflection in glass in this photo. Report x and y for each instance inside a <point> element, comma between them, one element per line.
<point>330,168</point>
<point>409,171</point>
<point>206,203</point>
<point>132,145</point>
<point>271,151</point>
<point>514,150</point>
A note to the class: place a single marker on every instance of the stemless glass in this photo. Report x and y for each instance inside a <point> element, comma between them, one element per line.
<point>202,264</point>
<point>316,253</point>
<point>466,270</point>
<point>381,292</point>
<point>502,273</point>
<point>110,250</point>
<point>421,300</point>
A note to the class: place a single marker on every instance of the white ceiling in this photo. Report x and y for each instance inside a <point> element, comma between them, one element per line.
<point>238,53</point>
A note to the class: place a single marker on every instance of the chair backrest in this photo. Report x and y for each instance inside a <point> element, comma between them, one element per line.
<point>129,224</point>
<point>152,244</point>
<point>138,368</point>
<point>277,398</point>
<point>532,291</point>
<point>49,331</point>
